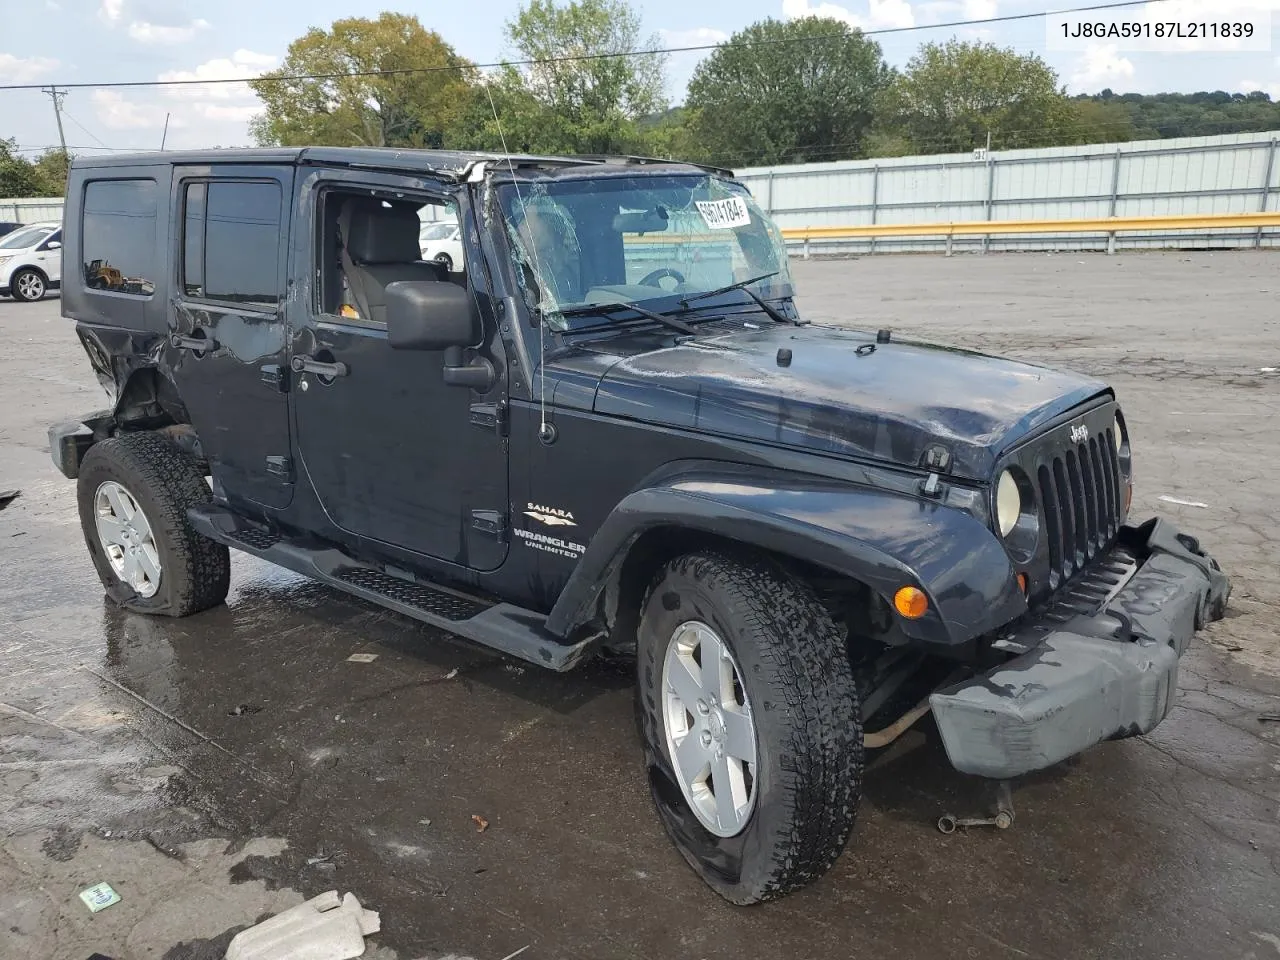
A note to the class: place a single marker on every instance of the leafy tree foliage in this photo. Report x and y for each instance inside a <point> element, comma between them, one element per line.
<point>392,110</point>
<point>20,177</point>
<point>787,92</point>
<point>951,94</point>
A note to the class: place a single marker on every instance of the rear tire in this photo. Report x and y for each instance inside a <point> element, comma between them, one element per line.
<point>794,678</point>
<point>445,261</point>
<point>159,564</point>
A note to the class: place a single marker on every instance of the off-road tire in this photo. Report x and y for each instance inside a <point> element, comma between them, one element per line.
<point>800,685</point>
<point>195,571</point>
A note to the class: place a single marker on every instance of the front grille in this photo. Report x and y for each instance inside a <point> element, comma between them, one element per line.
<point>1080,491</point>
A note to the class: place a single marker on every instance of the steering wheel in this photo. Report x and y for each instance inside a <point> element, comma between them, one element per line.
<point>651,279</point>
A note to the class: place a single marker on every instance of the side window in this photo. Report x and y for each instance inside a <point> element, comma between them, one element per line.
<point>231,242</point>
<point>118,236</point>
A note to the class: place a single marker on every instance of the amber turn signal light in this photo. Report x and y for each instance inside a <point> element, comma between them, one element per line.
<point>911,603</point>
<point>1022,582</point>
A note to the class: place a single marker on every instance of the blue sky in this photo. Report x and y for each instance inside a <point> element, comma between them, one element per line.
<point>100,40</point>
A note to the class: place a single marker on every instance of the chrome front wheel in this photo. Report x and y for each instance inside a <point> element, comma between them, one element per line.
<point>710,732</point>
<point>126,538</point>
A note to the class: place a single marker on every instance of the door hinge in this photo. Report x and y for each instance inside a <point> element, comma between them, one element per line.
<point>493,416</point>
<point>281,467</point>
<point>273,375</point>
<point>491,522</point>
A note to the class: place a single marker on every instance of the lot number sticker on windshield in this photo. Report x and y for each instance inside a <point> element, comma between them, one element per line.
<point>724,214</point>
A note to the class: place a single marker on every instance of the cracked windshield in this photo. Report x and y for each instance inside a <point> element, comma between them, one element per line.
<point>638,239</point>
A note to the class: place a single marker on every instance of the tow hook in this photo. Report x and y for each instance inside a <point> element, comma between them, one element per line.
<point>1003,819</point>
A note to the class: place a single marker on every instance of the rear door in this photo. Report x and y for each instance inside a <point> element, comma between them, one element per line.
<point>227,340</point>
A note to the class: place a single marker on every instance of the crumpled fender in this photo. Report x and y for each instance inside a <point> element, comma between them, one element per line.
<point>884,539</point>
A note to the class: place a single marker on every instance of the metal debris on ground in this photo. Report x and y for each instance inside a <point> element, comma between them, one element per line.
<point>481,823</point>
<point>99,897</point>
<point>1269,718</point>
<point>323,928</point>
<point>7,497</point>
<point>362,658</point>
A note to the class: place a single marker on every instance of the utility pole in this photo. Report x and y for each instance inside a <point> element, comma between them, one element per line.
<point>57,96</point>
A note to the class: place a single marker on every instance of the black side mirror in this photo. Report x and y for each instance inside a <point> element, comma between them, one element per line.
<point>430,315</point>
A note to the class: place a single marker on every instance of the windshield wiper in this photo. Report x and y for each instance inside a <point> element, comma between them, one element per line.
<point>607,308</point>
<point>773,312</point>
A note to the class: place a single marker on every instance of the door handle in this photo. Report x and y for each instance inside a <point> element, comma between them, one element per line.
<point>194,344</point>
<point>305,364</point>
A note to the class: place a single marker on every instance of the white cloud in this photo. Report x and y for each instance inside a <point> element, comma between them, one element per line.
<point>693,37</point>
<point>880,13</point>
<point>18,70</point>
<point>111,10</point>
<point>230,102</point>
<point>145,32</point>
<point>119,113</point>
<point>1272,89</point>
<point>1100,66</point>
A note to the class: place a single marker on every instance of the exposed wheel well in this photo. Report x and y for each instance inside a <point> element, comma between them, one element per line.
<point>852,603</point>
<point>150,401</point>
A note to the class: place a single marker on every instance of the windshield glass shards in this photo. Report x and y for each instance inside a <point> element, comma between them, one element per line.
<point>611,240</point>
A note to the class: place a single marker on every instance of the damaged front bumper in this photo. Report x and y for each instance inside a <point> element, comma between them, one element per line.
<point>1104,673</point>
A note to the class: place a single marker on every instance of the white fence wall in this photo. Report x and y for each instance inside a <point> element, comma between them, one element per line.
<point>1237,173</point>
<point>31,209</point>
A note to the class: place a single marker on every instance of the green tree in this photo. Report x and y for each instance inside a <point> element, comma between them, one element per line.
<point>570,105</point>
<point>952,94</point>
<point>787,92</point>
<point>51,169</point>
<point>18,175</point>
<point>397,109</point>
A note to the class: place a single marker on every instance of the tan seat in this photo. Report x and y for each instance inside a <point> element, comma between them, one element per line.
<point>380,246</point>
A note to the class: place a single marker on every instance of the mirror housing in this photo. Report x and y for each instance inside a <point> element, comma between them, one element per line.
<point>54,245</point>
<point>648,221</point>
<point>430,315</point>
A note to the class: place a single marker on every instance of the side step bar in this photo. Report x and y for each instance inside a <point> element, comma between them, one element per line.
<point>504,627</point>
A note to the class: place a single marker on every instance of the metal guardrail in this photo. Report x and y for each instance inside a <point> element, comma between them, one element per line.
<point>1108,226</point>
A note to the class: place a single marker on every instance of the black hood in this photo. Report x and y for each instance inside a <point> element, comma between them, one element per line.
<point>890,403</point>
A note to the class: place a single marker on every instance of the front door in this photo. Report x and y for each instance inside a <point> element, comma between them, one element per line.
<point>227,340</point>
<point>394,454</point>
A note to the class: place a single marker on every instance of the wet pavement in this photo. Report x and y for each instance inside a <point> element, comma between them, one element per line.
<point>223,767</point>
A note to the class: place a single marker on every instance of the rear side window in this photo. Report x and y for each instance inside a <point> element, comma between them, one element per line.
<point>118,236</point>
<point>231,242</point>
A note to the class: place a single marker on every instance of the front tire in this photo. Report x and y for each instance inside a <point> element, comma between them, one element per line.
<point>785,804</point>
<point>28,285</point>
<point>133,492</point>
<point>445,261</point>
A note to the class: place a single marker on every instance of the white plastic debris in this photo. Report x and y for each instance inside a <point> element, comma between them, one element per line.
<point>323,928</point>
<point>362,658</point>
<point>1181,502</point>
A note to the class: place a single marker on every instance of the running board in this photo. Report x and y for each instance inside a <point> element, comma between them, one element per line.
<point>502,626</point>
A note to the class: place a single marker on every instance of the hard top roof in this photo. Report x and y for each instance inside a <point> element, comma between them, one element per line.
<point>449,164</point>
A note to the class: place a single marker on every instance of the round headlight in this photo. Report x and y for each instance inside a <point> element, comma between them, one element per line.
<point>1008,503</point>
<point>1118,433</point>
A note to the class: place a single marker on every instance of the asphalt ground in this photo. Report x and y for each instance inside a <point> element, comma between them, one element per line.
<point>223,767</point>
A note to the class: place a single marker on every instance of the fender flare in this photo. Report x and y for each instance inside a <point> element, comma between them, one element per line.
<point>883,539</point>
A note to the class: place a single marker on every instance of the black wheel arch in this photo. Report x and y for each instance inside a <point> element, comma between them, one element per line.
<point>878,539</point>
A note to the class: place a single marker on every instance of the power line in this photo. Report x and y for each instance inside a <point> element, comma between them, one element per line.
<point>84,128</point>
<point>579,58</point>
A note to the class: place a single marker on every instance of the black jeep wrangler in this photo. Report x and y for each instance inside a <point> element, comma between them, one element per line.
<point>607,426</point>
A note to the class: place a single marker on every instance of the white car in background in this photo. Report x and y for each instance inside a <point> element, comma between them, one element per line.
<point>31,261</point>
<point>441,241</point>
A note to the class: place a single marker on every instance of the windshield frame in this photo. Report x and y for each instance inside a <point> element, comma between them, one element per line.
<point>778,287</point>
<point>24,233</point>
